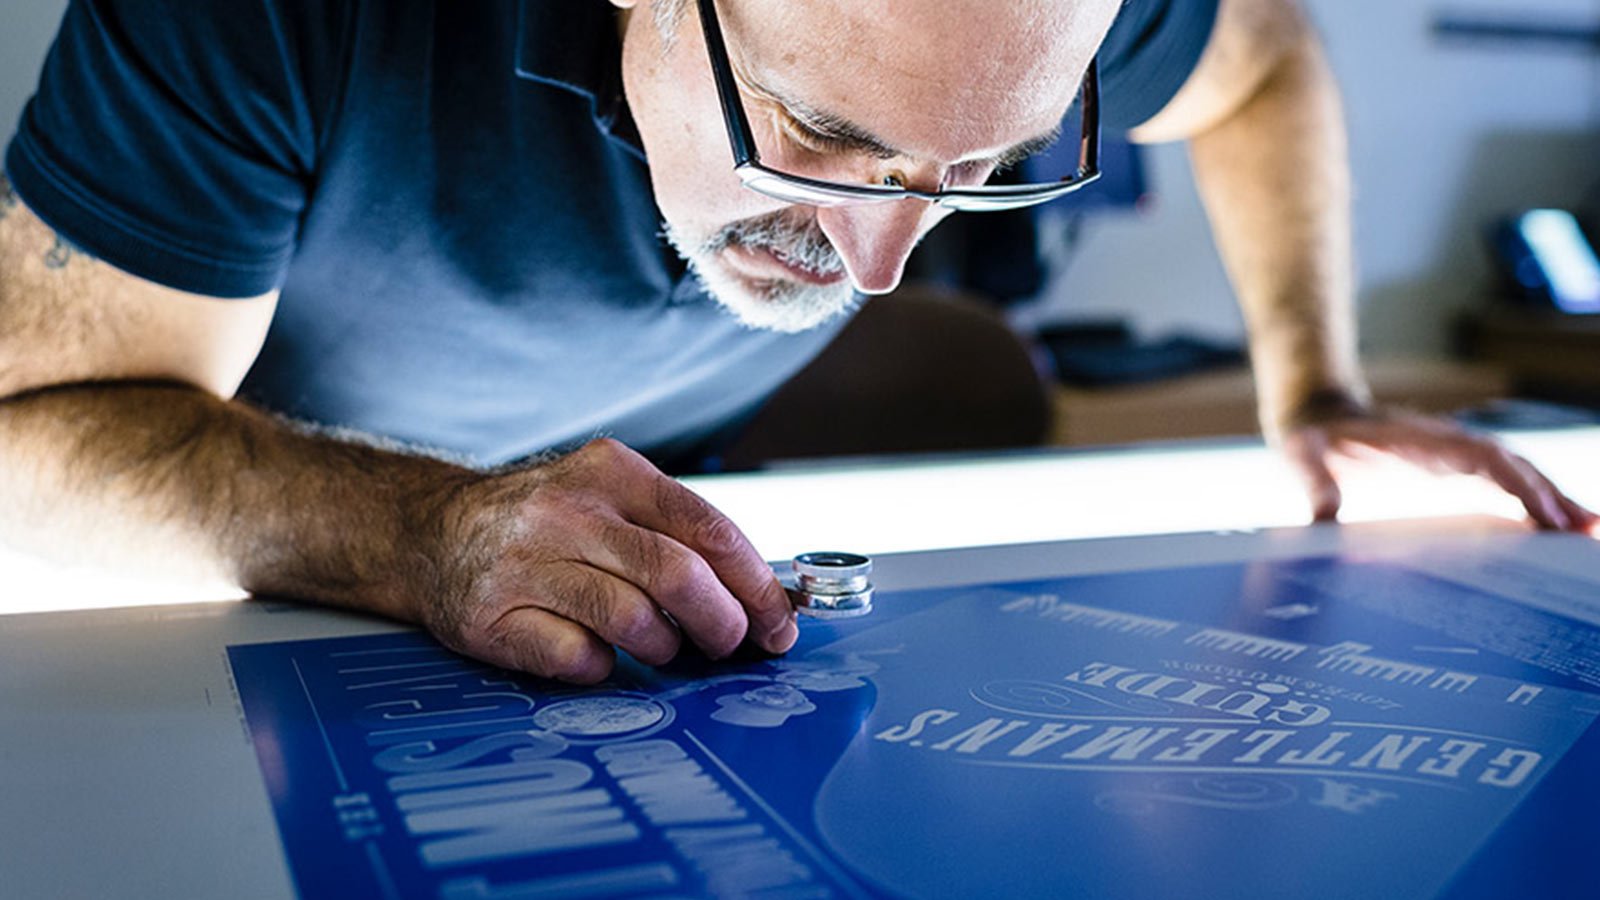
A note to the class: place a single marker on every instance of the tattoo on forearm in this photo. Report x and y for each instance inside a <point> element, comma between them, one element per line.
<point>63,252</point>
<point>8,197</point>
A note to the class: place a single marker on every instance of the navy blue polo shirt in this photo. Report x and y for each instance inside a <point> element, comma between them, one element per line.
<point>451,197</point>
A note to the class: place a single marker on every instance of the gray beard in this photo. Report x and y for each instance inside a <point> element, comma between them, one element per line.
<point>776,305</point>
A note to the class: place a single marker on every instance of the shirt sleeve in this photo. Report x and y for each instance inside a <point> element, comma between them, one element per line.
<point>1153,47</point>
<point>174,140</point>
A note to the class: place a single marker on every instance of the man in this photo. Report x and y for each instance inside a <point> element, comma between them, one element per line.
<point>435,226</point>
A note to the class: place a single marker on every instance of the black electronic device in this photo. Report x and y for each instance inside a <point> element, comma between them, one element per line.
<point>1549,260</point>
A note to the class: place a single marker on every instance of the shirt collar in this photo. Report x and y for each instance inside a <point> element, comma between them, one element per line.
<point>573,45</point>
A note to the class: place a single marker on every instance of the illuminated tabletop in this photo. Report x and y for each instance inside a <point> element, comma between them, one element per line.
<point>1385,710</point>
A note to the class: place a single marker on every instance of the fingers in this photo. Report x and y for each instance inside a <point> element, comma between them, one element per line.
<point>1566,514</point>
<point>1583,519</point>
<point>1517,477</point>
<point>735,562</point>
<point>676,578</point>
<point>1307,452</point>
<point>1438,445</point>
<point>611,607</point>
<point>655,502</point>
<point>529,639</point>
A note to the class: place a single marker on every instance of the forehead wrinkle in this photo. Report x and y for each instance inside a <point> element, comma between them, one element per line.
<point>837,124</point>
<point>976,106</point>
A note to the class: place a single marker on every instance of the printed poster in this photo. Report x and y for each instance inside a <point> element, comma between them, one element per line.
<point>1324,727</point>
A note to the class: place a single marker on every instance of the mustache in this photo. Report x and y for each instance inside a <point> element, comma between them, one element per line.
<point>798,239</point>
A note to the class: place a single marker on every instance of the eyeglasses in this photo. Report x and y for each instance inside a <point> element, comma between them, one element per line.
<point>792,188</point>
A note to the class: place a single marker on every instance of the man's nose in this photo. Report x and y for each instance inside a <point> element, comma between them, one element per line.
<point>875,239</point>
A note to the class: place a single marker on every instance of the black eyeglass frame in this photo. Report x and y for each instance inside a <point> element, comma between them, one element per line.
<point>815,192</point>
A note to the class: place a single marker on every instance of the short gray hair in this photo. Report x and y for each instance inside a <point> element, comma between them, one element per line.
<point>668,14</point>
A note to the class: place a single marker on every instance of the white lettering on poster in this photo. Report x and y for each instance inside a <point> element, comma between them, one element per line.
<point>1154,741</point>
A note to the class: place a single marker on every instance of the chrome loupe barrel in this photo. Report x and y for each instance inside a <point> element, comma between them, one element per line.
<point>832,585</point>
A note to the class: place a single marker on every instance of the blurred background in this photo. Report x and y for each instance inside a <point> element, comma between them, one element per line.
<point>1462,113</point>
<point>1448,131</point>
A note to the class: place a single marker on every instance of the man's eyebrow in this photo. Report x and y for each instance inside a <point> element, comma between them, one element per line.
<point>857,137</point>
<point>1016,153</point>
<point>836,128</point>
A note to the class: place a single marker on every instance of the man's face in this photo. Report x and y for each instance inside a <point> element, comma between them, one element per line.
<point>945,87</point>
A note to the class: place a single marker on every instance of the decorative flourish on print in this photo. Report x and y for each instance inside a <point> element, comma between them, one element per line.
<point>1348,797</point>
<point>783,692</point>
<point>1239,793</point>
<point>1247,644</point>
<point>763,707</point>
<point>1352,658</point>
<point>827,674</point>
<point>604,718</point>
<point>1047,700</point>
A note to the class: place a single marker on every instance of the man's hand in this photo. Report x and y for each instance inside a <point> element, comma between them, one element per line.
<point>115,420</point>
<point>1267,137</point>
<point>1434,445</point>
<point>543,570</point>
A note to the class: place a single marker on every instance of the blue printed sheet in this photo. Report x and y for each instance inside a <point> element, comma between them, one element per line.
<point>1321,727</point>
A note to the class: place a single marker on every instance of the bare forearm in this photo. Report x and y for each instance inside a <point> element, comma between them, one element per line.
<point>1275,180</point>
<point>170,478</point>
<point>132,460</point>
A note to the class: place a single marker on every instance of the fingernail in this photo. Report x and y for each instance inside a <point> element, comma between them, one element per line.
<point>783,637</point>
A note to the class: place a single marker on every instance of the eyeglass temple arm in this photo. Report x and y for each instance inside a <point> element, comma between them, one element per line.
<point>744,148</point>
<point>1089,150</point>
<point>739,134</point>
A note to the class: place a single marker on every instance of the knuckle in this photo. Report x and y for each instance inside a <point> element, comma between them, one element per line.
<point>496,644</point>
<point>769,607</point>
<point>643,632</point>
<point>559,505</point>
<point>646,553</point>
<point>690,587</point>
<point>605,451</point>
<point>635,624</point>
<point>562,653</point>
<point>585,597</point>
<point>575,594</point>
<point>717,534</point>
<point>677,502</point>
<point>570,656</point>
<point>679,570</point>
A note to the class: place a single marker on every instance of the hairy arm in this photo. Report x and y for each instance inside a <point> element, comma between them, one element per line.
<point>1267,139</point>
<point>120,446</point>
